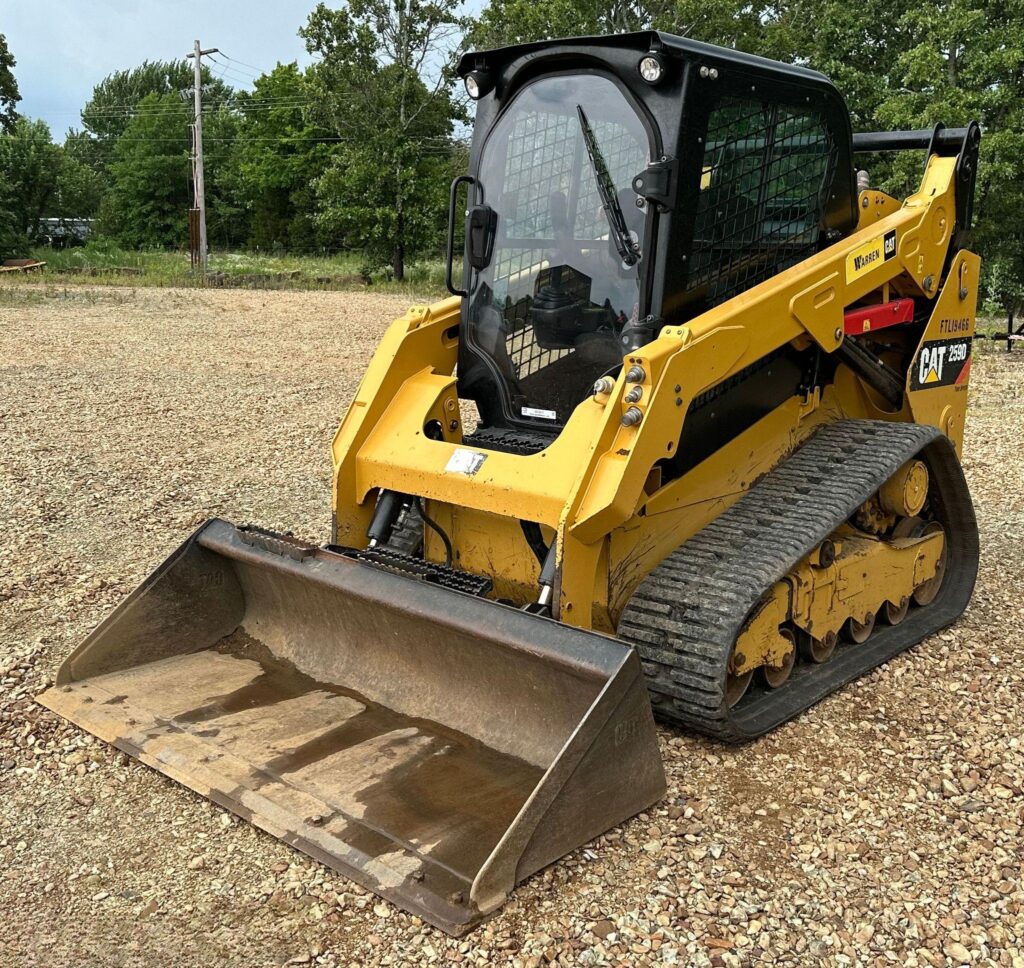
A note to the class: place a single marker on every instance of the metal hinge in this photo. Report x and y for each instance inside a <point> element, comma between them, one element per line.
<point>657,183</point>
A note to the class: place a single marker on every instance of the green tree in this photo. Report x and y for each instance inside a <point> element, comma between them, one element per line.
<point>39,179</point>
<point>750,26</point>
<point>280,156</point>
<point>227,217</point>
<point>855,45</point>
<point>118,98</point>
<point>384,191</point>
<point>149,194</point>
<point>117,103</point>
<point>9,95</point>
<point>30,170</point>
<point>150,176</point>
<point>1003,279</point>
<point>963,61</point>
<point>506,22</point>
<point>81,186</point>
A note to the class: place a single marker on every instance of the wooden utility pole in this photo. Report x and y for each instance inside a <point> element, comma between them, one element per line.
<point>197,157</point>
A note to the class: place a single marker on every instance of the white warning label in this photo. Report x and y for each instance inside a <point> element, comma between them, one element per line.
<point>466,462</point>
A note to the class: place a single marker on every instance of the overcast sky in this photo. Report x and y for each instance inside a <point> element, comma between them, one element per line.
<point>65,47</point>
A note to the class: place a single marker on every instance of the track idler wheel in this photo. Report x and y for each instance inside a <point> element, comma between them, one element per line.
<point>736,686</point>
<point>914,527</point>
<point>925,593</point>
<point>894,613</point>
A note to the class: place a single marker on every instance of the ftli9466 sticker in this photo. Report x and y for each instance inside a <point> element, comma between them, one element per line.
<point>941,363</point>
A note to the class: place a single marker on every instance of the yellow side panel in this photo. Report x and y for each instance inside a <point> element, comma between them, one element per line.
<point>873,205</point>
<point>488,544</point>
<point>940,370</point>
<point>425,341</point>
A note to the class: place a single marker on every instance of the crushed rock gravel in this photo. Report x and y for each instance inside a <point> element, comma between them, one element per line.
<point>883,827</point>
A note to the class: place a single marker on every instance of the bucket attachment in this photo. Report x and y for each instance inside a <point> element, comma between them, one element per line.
<point>434,746</point>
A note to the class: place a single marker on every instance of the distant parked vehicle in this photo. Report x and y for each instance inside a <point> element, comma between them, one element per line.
<point>64,233</point>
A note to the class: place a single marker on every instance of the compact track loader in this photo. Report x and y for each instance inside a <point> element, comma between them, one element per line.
<point>685,441</point>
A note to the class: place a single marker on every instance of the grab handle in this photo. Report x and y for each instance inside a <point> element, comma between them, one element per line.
<point>469,180</point>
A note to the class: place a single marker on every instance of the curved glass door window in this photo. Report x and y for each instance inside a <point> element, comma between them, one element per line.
<point>546,313</point>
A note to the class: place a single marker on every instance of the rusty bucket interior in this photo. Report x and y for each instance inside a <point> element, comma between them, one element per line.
<point>435,747</point>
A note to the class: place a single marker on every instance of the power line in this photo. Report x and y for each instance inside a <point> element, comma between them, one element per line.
<point>237,76</point>
<point>220,75</point>
<point>237,70</point>
<point>243,63</point>
<point>432,144</point>
<point>207,110</point>
<point>243,101</point>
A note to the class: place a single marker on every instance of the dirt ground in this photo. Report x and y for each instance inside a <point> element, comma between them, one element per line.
<point>884,827</point>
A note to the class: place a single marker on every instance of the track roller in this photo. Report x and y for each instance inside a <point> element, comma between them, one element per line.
<point>860,632</point>
<point>818,650</point>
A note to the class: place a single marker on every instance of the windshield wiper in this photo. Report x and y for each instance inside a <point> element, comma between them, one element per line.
<point>628,250</point>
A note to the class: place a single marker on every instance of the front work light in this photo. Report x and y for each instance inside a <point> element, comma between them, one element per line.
<point>478,83</point>
<point>651,69</point>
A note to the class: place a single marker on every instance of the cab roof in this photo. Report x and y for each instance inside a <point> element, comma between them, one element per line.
<point>500,58</point>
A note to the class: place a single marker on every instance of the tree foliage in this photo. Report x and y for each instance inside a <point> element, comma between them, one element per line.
<point>1004,285</point>
<point>149,196</point>
<point>39,179</point>
<point>729,23</point>
<point>82,185</point>
<point>505,22</point>
<point>150,176</point>
<point>118,98</point>
<point>383,83</point>
<point>965,63</point>
<point>280,155</point>
<point>903,64</point>
<point>30,169</point>
<point>9,96</point>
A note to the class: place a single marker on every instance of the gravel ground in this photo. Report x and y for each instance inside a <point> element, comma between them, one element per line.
<point>884,827</point>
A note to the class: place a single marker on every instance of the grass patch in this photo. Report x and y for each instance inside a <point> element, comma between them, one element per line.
<point>101,263</point>
<point>994,326</point>
<point>19,294</point>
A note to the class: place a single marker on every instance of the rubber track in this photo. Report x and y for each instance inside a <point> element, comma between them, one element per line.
<point>686,615</point>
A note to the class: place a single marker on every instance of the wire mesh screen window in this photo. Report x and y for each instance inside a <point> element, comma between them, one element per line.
<point>547,158</point>
<point>540,161</point>
<point>767,170</point>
